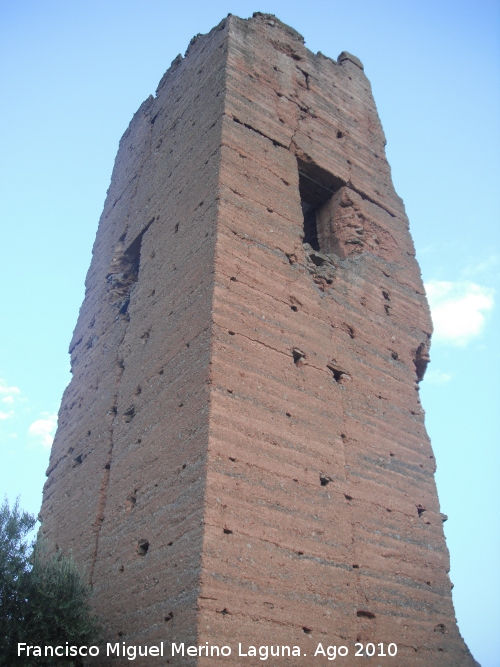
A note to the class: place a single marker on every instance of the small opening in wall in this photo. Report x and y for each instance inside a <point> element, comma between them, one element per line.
<point>338,373</point>
<point>316,186</point>
<point>142,547</point>
<point>298,356</point>
<point>129,414</point>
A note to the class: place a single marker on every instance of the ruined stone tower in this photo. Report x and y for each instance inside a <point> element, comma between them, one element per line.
<point>241,454</point>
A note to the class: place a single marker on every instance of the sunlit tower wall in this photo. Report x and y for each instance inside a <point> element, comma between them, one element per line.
<point>241,454</point>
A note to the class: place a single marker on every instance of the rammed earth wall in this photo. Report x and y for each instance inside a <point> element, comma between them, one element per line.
<point>241,454</point>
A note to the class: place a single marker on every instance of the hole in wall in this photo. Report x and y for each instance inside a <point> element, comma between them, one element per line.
<point>306,629</point>
<point>317,259</point>
<point>142,547</point>
<point>131,500</point>
<point>363,613</point>
<point>169,616</point>
<point>324,479</point>
<point>316,187</point>
<point>77,460</point>
<point>298,356</point>
<point>129,414</point>
<point>441,627</point>
<point>338,373</point>
<point>350,331</point>
<point>227,531</point>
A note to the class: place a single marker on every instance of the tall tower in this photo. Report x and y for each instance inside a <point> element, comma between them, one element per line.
<point>241,454</point>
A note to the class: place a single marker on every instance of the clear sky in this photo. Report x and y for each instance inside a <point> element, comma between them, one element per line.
<point>73,73</point>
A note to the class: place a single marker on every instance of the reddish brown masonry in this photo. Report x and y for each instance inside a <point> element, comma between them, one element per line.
<point>241,454</point>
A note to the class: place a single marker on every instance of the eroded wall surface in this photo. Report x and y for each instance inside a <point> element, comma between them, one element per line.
<point>241,455</point>
<point>126,479</point>
<point>322,519</point>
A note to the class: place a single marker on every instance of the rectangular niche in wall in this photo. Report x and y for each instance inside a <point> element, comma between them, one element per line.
<point>316,186</point>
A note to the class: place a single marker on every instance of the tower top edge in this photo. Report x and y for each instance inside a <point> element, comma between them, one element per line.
<point>269,21</point>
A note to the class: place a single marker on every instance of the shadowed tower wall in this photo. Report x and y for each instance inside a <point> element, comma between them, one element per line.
<point>241,454</point>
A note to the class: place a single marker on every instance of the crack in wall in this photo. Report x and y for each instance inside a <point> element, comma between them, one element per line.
<point>275,142</point>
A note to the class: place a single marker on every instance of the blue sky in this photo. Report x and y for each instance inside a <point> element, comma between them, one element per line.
<point>73,73</point>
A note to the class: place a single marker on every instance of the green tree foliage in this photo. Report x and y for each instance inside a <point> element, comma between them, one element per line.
<point>43,600</point>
